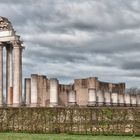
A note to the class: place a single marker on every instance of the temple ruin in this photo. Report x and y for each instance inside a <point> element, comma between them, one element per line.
<point>43,92</point>
<point>40,91</point>
<point>11,42</point>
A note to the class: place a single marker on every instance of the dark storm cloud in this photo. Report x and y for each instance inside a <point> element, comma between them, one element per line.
<point>131,65</point>
<point>78,38</point>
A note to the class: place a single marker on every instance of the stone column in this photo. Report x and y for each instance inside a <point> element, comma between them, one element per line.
<point>100,98</point>
<point>21,75</point>
<point>121,99</point>
<point>72,98</point>
<point>44,91</point>
<point>9,78</point>
<point>17,94</point>
<point>1,74</point>
<point>53,92</point>
<point>92,91</point>
<point>91,96</point>
<point>107,96</point>
<point>127,99</point>
<point>27,91</point>
<point>133,100</point>
<point>138,99</point>
<point>40,90</point>
<point>34,90</point>
<point>114,97</point>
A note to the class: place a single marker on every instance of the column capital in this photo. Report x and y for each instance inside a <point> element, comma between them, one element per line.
<point>16,44</point>
<point>1,45</point>
<point>8,46</point>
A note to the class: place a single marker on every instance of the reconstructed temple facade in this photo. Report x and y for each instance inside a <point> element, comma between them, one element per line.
<point>39,91</point>
<point>13,46</point>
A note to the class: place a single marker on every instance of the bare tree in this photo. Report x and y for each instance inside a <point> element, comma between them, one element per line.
<point>133,91</point>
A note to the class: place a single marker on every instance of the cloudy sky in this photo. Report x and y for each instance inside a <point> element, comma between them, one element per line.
<point>71,39</point>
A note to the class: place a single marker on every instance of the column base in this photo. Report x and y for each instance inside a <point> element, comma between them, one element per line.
<point>53,105</point>
<point>9,105</point>
<point>27,105</point>
<point>1,105</point>
<point>71,103</point>
<point>16,105</point>
<point>100,104</point>
<point>127,104</point>
<point>34,105</point>
<point>121,104</point>
<point>92,103</point>
<point>10,96</point>
<point>108,104</point>
<point>114,104</point>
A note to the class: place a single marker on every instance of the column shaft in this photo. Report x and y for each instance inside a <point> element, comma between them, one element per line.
<point>72,97</point>
<point>27,91</point>
<point>1,75</point>
<point>40,90</point>
<point>9,76</point>
<point>44,91</point>
<point>53,92</point>
<point>21,75</point>
<point>34,90</point>
<point>17,95</point>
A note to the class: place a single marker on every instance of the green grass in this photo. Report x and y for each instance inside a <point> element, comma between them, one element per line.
<point>26,136</point>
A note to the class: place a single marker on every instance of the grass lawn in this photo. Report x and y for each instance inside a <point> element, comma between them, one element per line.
<point>26,136</point>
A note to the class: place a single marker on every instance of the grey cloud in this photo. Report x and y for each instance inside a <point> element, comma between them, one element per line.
<point>131,65</point>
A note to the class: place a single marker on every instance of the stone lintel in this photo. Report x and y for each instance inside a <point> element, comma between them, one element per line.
<point>9,38</point>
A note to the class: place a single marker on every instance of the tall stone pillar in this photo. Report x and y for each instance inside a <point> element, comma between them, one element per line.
<point>21,49</point>
<point>34,90</point>
<point>1,74</point>
<point>17,95</point>
<point>53,92</point>
<point>27,91</point>
<point>9,76</point>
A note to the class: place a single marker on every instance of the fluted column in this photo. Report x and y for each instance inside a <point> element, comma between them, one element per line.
<point>9,76</point>
<point>1,74</point>
<point>17,94</point>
